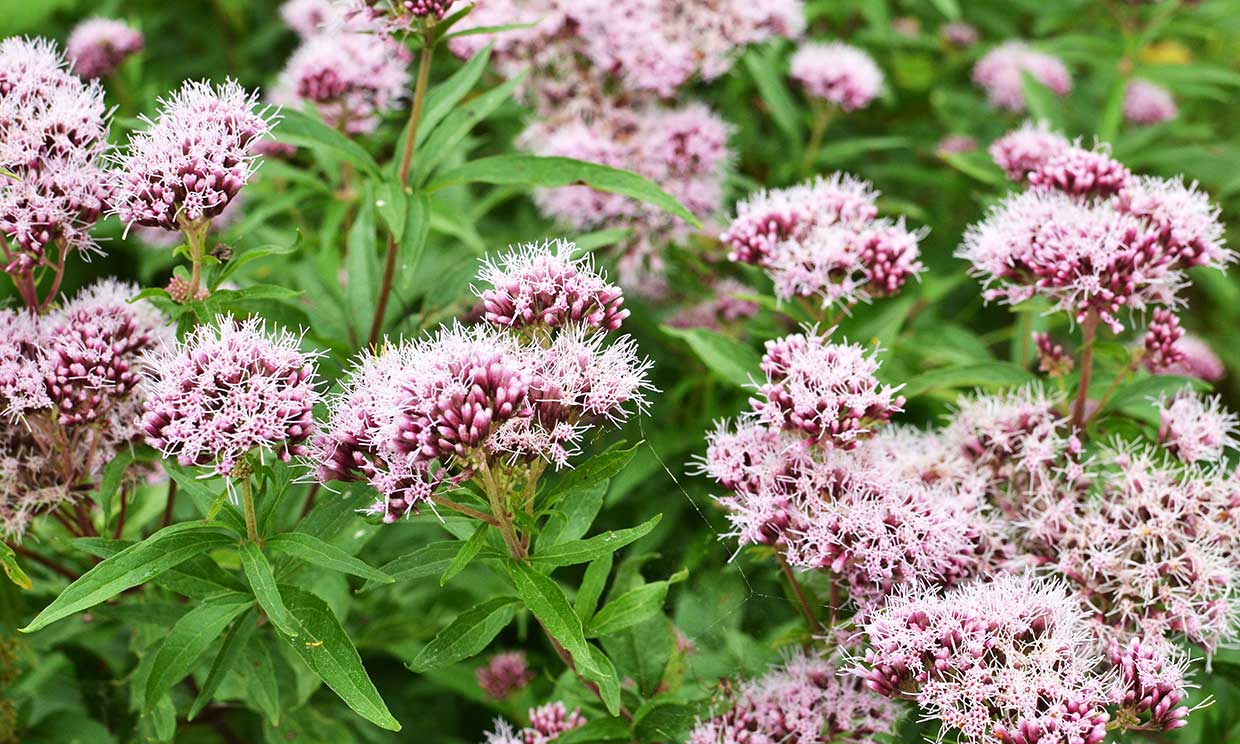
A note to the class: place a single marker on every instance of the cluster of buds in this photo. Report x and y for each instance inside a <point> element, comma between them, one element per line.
<point>839,74</point>
<point>69,395</point>
<point>504,674</point>
<point>823,239</point>
<point>526,385</point>
<point>1053,359</point>
<point>99,45</point>
<point>547,723</point>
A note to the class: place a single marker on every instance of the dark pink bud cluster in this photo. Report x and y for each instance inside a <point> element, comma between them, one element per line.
<point>837,73</point>
<point>544,285</point>
<point>397,15</point>
<point>99,45</point>
<point>826,391</point>
<point>1010,660</point>
<point>1151,675</point>
<point>807,700</point>
<point>504,674</point>
<point>68,395</point>
<point>1053,359</point>
<point>53,133</point>
<point>186,166</point>
<point>226,390</point>
<point>1162,337</point>
<point>1081,172</point>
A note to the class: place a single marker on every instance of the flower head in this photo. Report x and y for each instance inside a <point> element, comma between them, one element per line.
<point>351,78</point>
<point>310,17</point>
<point>841,74</point>
<point>1152,675</point>
<point>825,391</point>
<point>1196,428</point>
<point>191,162</point>
<point>503,674</point>
<point>1080,172</point>
<point>1162,341</point>
<point>1196,359</point>
<point>99,45</point>
<point>226,390</point>
<point>1025,150</point>
<point>544,285</point>
<point>1147,103</point>
<point>807,700</point>
<point>959,34</point>
<point>1010,660</point>
<point>1000,73</point>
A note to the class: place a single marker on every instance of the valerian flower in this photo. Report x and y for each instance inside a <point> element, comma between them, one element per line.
<point>98,46</point>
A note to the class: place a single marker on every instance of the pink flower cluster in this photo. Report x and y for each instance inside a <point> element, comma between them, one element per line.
<point>53,133</point>
<point>1010,660</point>
<point>725,307</point>
<point>396,16</point>
<point>684,150</point>
<point>504,674</point>
<point>582,47</point>
<point>1196,428</point>
<point>68,395</point>
<point>99,45</point>
<point>351,75</point>
<point>1195,358</point>
<point>546,724</point>
<point>517,388</point>
<point>1146,103</point>
<point>1024,150</point>
<point>226,390</point>
<point>1089,236</point>
<point>837,73</point>
<point>185,167</point>
<point>822,239</point>
<point>805,701</point>
<point>1000,73</point>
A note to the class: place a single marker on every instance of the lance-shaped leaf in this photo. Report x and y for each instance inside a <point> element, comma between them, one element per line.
<point>189,639</point>
<point>316,552</point>
<point>467,635</point>
<point>263,582</point>
<point>225,661</point>
<point>583,551</point>
<point>546,600</point>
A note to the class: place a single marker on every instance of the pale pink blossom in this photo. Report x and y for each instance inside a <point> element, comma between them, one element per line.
<point>838,73</point>
<point>1025,150</point>
<point>1000,73</point>
<point>504,674</point>
<point>97,46</point>
<point>1196,428</point>
<point>1146,103</point>
<point>1197,359</point>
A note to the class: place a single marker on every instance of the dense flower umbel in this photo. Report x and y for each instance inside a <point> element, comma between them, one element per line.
<point>228,389</point>
<point>433,411</point>
<point>821,239</point>
<point>1025,150</point>
<point>1147,103</point>
<point>311,17</point>
<point>504,674</point>
<point>352,78</point>
<point>546,724</point>
<point>999,73</point>
<point>807,700</point>
<point>53,132</point>
<point>1102,256</point>
<point>1012,660</point>
<point>99,45</point>
<point>1152,678</point>
<point>188,165</point>
<point>581,48</point>
<point>1080,172</point>
<point>824,390</point>
<point>1154,550</point>
<point>68,396</point>
<point>543,285</point>
<point>837,73</point>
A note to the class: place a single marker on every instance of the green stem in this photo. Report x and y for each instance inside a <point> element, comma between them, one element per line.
<point>247,502</point>
<point>406,162</point>
<point>815,628</point>
<point>822,119</point>
<point>1089,327</point>
<point>196,240</point>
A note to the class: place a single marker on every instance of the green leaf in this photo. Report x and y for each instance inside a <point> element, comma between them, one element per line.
<point>189,639</point>
<point>316,552</point>
<point>1040,100</point>
<point>209,502</point>
<point>583,551</point>
<point>844,150</point>
<point>8,561</point>
<point>546,600</point>
<point>362,262</point>
<point>132,566</point>
<point>225,661</point>
<point>977,165</point>
<point>334,658</point>
<point>551,172</point>
<point>303,130</point>
<point>729,359</point>
<point>261,682</point>
<point>592,585</point>
<point>393,206</point>
<point>468,552</point>
<point>1113,112</point>
<point>664,720</point>
<point>428,560</point>
<point>982,374</point>
<point>597,731</point>
<point>763,66</point>
<point>467,635</point>
<point>949,8</point>
<point>629,609</point>
<point>448,137</point>
<point>606,678</point>
<point>442,99</point>
<point>263,582</point>
<point>110,481</point>
<point>1145,391</point>
<point>254,254</point>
